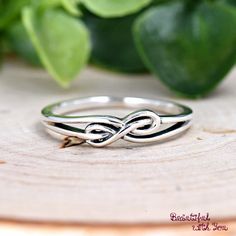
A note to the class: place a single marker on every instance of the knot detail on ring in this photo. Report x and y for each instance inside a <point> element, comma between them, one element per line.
<point>143,126</point>
<point>135,126</point>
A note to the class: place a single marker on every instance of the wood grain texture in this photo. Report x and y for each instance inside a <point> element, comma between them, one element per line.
<point>123,183</point>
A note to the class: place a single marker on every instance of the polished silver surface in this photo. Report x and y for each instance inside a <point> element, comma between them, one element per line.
<point>141,126</point>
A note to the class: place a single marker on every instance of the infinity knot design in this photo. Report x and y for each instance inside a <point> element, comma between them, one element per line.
<point>142,126</point>
<point>136,126</point>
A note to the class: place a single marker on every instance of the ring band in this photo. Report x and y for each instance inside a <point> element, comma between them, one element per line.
<point>142,126</point>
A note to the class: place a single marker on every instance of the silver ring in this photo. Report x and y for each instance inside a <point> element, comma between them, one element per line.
<point>154,121</point>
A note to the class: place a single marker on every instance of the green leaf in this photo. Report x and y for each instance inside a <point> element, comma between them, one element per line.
<point>21,44</point>
<point>71,6</point>
<point>62,42</point>
<point>9,10</point>
<point>113,44</point>
<point>189,50</point>
<point>115,8</point>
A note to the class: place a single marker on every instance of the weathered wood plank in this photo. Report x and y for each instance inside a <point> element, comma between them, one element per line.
<point>124,183</point>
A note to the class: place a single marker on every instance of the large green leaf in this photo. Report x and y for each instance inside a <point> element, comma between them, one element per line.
<point>21,44</point>
<point>114,8</point>
<point>113,44</point>
<point>62,42</point>
<point>190,50</point>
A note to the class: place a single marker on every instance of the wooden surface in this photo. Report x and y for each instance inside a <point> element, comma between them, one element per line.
<point>121,184</point>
